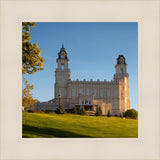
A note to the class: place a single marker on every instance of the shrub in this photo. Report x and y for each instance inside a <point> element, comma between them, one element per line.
<point>33,111</point>
<point>47,111</point>
<point>109,113</point>
<point>76,110</point>
<point>98,111</point>
<point>131,113</point>
<point>60,109</point>
<point>70,110</point>
<point>30,111</point>
<point>82,111</point>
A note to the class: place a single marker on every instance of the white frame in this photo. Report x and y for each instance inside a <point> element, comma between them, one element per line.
<point>143,12</point>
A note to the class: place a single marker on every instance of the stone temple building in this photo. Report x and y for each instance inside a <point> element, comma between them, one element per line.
<point>109,95</point>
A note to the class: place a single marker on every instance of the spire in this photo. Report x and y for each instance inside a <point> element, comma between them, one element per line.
<point>62,54</point>
<point>62,45</point>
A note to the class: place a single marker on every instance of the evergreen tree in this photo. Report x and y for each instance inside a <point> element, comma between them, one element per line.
<point>98,111</point>
<point>82,111</point>
<point>60,109</point>
<point>75,110</point>
<point>109,113</point>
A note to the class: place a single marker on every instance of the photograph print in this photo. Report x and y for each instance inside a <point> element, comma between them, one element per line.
<point>80,80</point>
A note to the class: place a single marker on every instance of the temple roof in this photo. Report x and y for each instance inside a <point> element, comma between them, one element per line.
<point>62,54</point>
<point>121,59</point>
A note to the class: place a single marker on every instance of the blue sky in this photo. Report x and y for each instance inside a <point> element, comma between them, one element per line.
<point>92,48</point>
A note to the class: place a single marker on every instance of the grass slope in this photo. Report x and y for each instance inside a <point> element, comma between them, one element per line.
<point>42,125</point>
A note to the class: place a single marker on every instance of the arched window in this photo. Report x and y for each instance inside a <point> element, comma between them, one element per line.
<point>115,104</point>
<point>121,71</point>
<point>65,93</point>
<point>115,92</point>
<point>86,101</point>
<point>62,66</point>
<point>87,92</point>
<point>73,92</point>
<point>101,92</point>
<point>80,91</point>
<point>108,92</point>
<point>65,82</point>
<point>94,92</point>
<point>59,92</point>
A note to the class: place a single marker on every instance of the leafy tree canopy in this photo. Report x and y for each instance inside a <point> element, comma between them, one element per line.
<point>32,61</point>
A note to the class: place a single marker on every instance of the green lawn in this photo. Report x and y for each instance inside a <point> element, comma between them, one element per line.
<point>49,125</point>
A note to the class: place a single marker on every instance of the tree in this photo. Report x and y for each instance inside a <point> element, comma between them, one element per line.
<point>82,111</point>
<point>32,61</point>
<point>131,113</point>
<point>98,111</point>
<point>109,113</point>
<point>27,99</point>
<point>60,109</point>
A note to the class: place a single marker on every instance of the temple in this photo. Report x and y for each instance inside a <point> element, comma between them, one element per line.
<point>109,95</point>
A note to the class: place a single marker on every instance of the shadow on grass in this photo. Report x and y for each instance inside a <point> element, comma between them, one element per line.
<point>32,131</point>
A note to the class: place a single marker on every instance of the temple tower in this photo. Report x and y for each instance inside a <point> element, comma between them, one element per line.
<point>62,74</point>
<point>122,77</point>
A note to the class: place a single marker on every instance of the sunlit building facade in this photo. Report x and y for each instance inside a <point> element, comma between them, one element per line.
<point>109,95</point>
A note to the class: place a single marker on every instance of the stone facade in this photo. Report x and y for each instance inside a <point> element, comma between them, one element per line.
<point>109,95</point>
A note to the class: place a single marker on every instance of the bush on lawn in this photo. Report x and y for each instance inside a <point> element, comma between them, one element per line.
<point>30,111</point>
<point>98,111</point>
<point>60,109</point>
<point>109,113</point>
<point>82,111</point>
<point>46,111</point>
<point>33,111</point>
<point>70,110</point>
<point>76,110</point>
<point>131,113</point>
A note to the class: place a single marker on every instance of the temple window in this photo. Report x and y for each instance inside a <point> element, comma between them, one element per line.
<point>62,66</point>
<point>115,104</point>
<point>73,92</point>
<point>108,92</point>
<point>115,92</point>
<point>86,101</point>
<point>65,93</point>
<point>101,92</point>
<point>121,71</point>
<point>60,92</point>
<point>80,91</point>
<point>94,92</point>
<point>65,82</point>
<point>87,92</point>
<point>59,82</point>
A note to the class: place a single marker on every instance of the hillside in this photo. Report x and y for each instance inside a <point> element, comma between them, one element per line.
<point>76,126</point>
